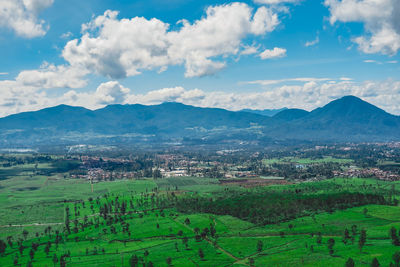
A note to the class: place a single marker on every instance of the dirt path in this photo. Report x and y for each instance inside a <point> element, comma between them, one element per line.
<point>212,244</point>
<point>31,224</point>
<point>244,260</point>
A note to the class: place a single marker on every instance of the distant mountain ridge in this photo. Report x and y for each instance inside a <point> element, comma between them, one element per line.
<point>348,118</point>
<point>264,112</point>
<point>345,119</point>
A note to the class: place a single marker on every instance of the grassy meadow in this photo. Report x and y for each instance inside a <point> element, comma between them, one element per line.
<point>58,221</point>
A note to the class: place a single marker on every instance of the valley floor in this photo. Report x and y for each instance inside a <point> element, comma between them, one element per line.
<point>144,233</point>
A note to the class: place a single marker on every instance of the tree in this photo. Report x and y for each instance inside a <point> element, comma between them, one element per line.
<point>21,249</point>
<point>31,254</point>
<point>55,259</point>
<point>331,243</point>
<point>25,234</point>
<point>63,262</point>
<point>201,254</point>
<point>3,246</point>
<point>396,259</point>
<point>47,250</point>
<point>185,241</point>
<point>349,262</point>
<point>375,263</point>
<point>9,241</point>
<point>346,236</point>
<point>259,246</point>
<point>354,229</point>
<point>363,239</point>
<point>319,238</point>
<point>251,261</point>
<point>394,237</point>
<point>365,211</point>
<point>133,261</point>
<point>15,260</point>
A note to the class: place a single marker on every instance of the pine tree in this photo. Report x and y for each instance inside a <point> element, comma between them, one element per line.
<point>396,259</point>
<point>55,259</point>
<point>259,246</point>
<point>350,262</point>
<point>201,254</point>
<point>331,243</point>
<point>375,263</point>
<point>363,239</point>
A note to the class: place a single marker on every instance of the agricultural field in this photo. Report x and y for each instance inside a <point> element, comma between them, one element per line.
<point>53,220</point>
<point>327,159</point>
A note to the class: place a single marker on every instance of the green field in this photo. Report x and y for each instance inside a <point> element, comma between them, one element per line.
<point>327,159</point>
<point>141,227</point>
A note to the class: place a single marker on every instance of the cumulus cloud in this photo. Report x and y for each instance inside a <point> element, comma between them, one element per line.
<point>381,21</point>
<point>111,93</point>
<point>51,76</point>
<point>309,94</point>
<point>306,93</point>
<point>119,48</point>
<point>22,17</point>
<point>277,52</point>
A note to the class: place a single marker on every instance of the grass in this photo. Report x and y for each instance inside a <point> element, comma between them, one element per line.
<point>306,161</point>
<point>159,233</point>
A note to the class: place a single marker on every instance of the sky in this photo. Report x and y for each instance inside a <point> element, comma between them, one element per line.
<point>256,54</point>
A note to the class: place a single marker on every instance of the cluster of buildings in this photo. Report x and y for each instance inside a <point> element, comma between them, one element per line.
<point>369,172</point>
<point>98,174</point>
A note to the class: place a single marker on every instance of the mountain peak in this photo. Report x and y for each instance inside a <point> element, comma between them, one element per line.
<point>349,106</point>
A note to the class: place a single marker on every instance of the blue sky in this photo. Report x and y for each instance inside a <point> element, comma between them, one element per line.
<point>247,54</point>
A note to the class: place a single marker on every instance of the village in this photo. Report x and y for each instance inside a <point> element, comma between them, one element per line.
<point>222,166</point>
<point>368,173</point>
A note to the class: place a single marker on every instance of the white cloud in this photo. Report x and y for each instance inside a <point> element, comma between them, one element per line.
<point>301,79</point>
<point>3,73</point>
<point>380,62</point>
<point>275,2</point>
<point>312,43</point>
<point>277,52</point>
<point>66,35</point>
<point>22,16</point>
<point>119,48</point>
<point>308,94</point>
<point>111,93</point>
<point>249,50</point>
<point>381,19</point>
<point>51,76</point>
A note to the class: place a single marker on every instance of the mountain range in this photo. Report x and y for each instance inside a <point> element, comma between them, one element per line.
<point>264,112</point>
<point>348,119</point>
